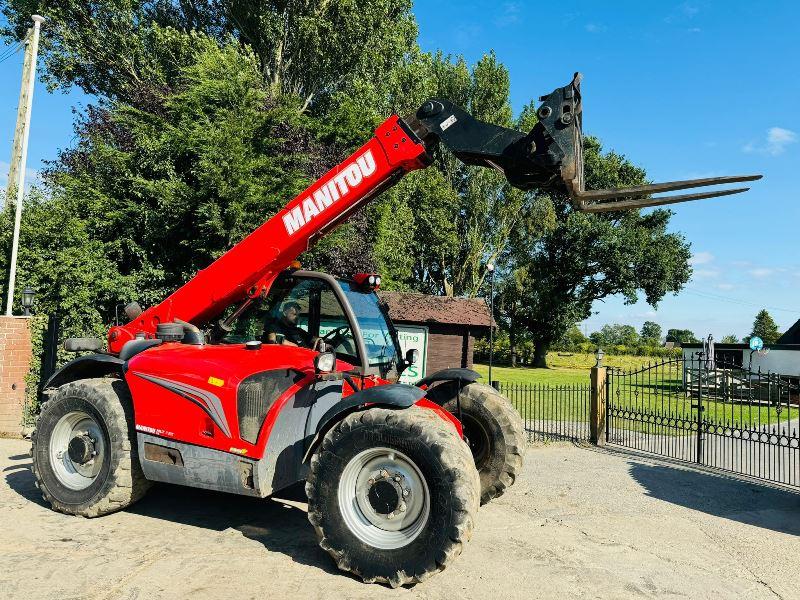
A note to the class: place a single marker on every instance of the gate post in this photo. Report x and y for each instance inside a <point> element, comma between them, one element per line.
<point>597,402</point>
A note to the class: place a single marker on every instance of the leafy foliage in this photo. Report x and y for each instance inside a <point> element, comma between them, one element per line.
<point>651,331</point>
<point>615,335</point>
<point>765,327</point>
<point>211,115</point>
<point>681,336</point>
<point>583,258</point>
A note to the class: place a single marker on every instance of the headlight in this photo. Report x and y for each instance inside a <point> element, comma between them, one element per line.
<point>325,362</point>
<point>371,280</point>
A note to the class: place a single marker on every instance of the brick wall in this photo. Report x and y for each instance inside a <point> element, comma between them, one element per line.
<point>15,356</point>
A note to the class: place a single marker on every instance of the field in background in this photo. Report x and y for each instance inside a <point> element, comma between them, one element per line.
<point>658,391</point>
<point>565,369</point>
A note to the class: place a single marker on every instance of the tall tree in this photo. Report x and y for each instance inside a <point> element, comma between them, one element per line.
<point>455,218</point>
<point>615,335</point>
<point>583,258</point>
<point>765,327</point>
<point>311,50</point>
<point>681,336</point>
<point>651,331</point>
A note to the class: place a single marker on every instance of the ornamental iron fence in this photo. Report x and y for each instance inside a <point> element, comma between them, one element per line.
<point>708,412</point>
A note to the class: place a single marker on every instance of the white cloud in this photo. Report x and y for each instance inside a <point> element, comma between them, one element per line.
<point>595,27</point>
<point>776,141</point>
<point>32,176</point>
<point>694,30</point>
<point>701,258</point>
<point>705,274</point>
<point>761,272</point>
<point>726,287</point>
<point>689,9</point>
<point>509,15</point>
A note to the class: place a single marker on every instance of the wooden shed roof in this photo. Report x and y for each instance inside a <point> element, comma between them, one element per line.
<point>412,307</point>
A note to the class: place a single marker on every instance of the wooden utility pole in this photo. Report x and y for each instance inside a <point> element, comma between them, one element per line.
<point>22,110</point>
<point>26,94</point>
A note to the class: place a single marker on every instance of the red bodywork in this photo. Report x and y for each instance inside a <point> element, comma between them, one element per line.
<point>214,372</point>
<point>219,370</point>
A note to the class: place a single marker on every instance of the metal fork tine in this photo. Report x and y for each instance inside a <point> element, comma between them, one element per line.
<point>657,201</point>
<point>668,186</point>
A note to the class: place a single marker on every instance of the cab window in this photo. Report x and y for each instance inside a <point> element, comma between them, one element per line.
<point>297,312</point>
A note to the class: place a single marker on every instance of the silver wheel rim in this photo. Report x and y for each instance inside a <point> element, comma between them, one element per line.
<point>392,469</point>
<point>72,474</point>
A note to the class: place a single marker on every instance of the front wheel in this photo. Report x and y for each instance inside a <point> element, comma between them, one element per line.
<point>493,429</point>
<point>84,449</point>
<point>392,494</point>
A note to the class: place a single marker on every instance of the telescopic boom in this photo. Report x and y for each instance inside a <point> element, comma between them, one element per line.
<point>550,156</point>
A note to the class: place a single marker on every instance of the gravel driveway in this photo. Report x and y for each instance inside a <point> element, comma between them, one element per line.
<point>580,523</point>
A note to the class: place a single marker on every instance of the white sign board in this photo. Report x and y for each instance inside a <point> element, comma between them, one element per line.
<point>413,337</point>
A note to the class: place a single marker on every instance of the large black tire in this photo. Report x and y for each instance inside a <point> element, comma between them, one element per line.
<point>493,429</point>
<point>119,481</point>
<point>443,461</point>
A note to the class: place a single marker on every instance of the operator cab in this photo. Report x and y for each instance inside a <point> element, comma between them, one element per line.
<point>307,309</point>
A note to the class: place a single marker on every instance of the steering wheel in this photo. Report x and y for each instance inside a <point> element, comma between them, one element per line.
<point>335,337</point>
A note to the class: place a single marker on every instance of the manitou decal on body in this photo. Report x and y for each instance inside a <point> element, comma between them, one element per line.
<point>339,186</point>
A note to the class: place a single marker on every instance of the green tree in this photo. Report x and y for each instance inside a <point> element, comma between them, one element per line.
<point>765,327</point>
<point>651,332</point>
<point>583,258</point>
<point>729,339</point>
<point>458,218</point>
<point>197,138</point>
<point>572,339</point>
<point>615,335</point>
<point>310,50</point>
<point>681,336</point>
<point>508,308</point>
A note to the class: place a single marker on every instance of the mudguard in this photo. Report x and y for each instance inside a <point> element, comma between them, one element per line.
<point>84,367</point>
<point>396,395</point>
<point>465,375</point>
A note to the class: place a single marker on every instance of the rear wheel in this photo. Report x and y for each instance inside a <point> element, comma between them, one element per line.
<point>392,494</point>
<point>492,428</point>
<point>84,449</point>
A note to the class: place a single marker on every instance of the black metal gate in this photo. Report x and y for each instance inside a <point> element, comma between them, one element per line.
<point>709,412</point>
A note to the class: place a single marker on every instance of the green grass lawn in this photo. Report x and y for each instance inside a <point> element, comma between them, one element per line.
<point>657,391</point>
<point>563,369</point>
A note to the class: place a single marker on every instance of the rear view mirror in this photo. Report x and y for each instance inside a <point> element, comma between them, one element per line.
<point>412,356</point>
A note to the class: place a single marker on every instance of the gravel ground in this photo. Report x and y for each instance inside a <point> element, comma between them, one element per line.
<point>580,523</point>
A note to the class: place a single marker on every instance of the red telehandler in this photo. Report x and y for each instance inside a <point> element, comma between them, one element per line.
<point>256,375</point>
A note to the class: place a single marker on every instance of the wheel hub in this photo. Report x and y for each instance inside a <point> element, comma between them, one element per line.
<point>81,449</point>
<point>77,450</point>
<point>386,495</point>
<point>384,498</point>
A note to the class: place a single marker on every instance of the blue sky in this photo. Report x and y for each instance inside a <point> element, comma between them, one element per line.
<point>684,90</point>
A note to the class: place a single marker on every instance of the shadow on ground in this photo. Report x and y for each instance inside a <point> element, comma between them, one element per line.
<point>277,525</point>
<point>720,495</point>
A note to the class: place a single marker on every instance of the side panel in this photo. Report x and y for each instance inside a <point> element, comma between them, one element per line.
<point>189,393</point>
<point>196,467</point>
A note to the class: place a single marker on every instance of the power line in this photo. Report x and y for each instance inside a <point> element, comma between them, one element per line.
<point>10,52</point>
<point>712,296</point>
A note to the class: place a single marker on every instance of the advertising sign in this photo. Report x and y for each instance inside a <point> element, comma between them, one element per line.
<point>413,337</point>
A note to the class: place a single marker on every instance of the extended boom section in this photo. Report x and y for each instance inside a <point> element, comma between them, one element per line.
<point>550,156</point>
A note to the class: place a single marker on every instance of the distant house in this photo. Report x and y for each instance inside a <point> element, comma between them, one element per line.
<point>442,328</point>
<point>783,357</point>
